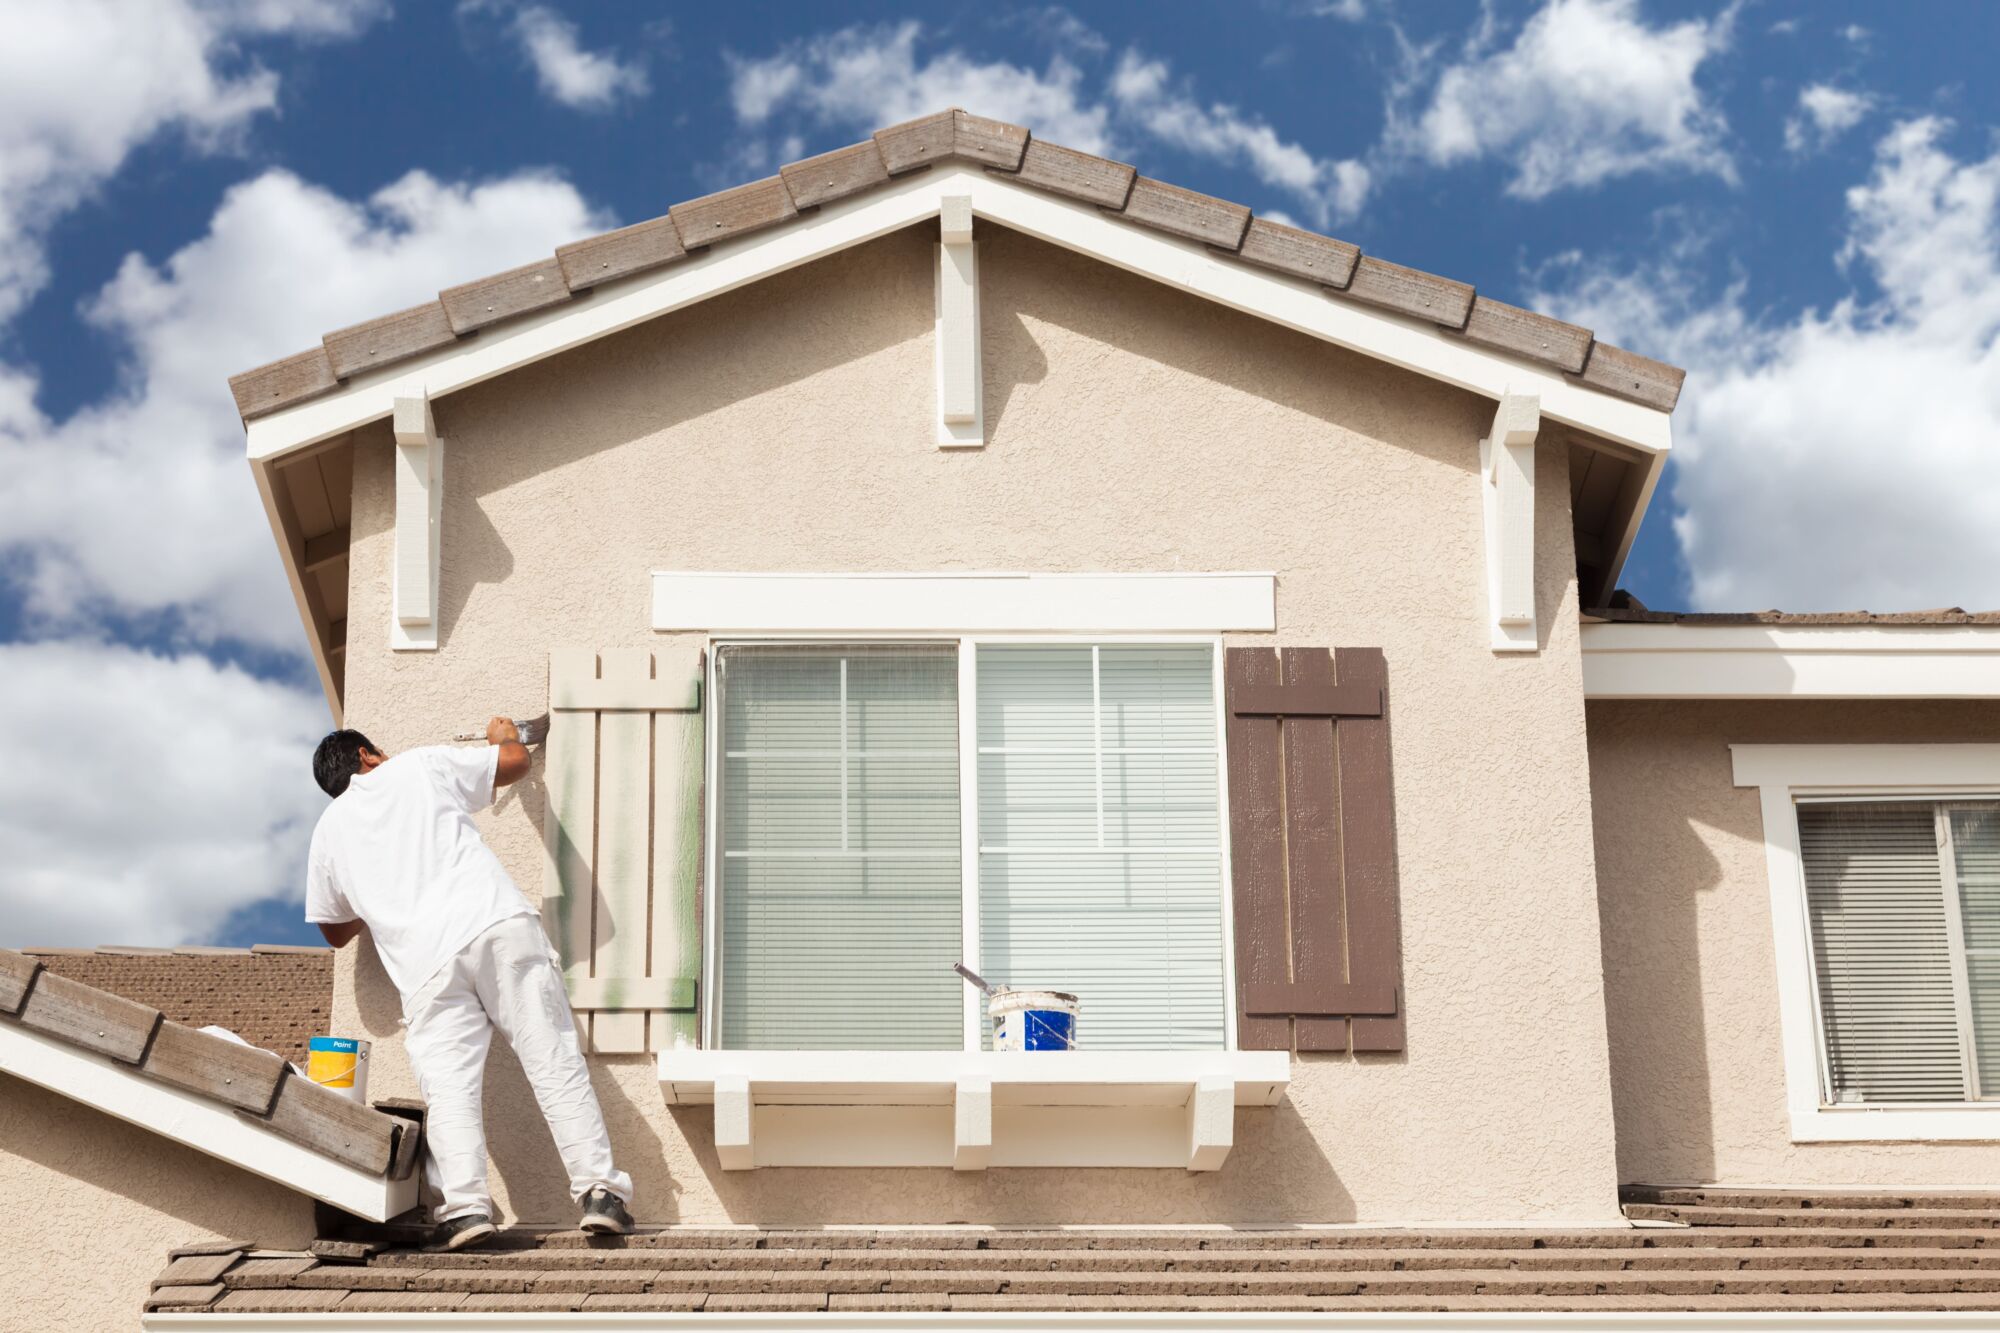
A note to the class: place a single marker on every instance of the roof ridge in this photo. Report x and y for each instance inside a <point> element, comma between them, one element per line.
<point>1339,268</point>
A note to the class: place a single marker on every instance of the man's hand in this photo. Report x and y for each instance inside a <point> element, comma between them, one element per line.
<point>514,759</point>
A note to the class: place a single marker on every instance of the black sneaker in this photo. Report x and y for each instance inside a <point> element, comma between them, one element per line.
<point>605,1214</point>
<point>464,1232</point>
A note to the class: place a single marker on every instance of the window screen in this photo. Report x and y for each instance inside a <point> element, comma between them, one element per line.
<point>839,847</point>
<point>1100,863</point>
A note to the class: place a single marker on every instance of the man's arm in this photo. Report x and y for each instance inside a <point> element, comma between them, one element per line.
<point>514,759</point>
<point>339,933</point>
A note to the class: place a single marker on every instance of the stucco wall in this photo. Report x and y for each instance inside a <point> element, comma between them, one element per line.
<point>1696,1065</point>
<point>788,427</point>
<point>89,1207</point>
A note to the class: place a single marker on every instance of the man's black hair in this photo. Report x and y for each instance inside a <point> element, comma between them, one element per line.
<point>338,758</point>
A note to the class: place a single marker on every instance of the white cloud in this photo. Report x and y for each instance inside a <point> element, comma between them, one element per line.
<point>1855,34</point>
<point>1144,93</point>
<point>1586,92</point>
<point>141,503</point>
<point>866,77</point>
<point>148,797</point>
<point>1350,11</point>
<point>585,80</point>
<point>83,82</point>
<point>1841,458</point>
<point>862,78</point>
<point>1824,114</point>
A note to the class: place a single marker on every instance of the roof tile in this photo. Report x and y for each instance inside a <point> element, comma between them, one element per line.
<point>170,1298</point>
<point>1629,375</point>
<point>916,144</point>
<point>392,338</point>
<point>1409,291</point>
<point>835,175</point>
<point>1298,254</point>
<point>1065,171</point>
<point>617,254</point>
<point>1188,213</point>
<point>282,383</point>
<point>728,213</point>
<point>519,291</point>
<point>994,143</point>
<point>1523,333</point>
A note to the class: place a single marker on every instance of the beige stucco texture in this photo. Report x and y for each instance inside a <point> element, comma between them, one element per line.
<point>789,426</point>
<point>92,1205</point>
<point>1696,1065</point>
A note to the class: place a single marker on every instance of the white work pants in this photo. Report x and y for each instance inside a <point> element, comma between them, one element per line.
<point>506,978</point>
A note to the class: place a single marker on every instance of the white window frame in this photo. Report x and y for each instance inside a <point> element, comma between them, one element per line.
<point>1784,776</point>
<point>968,777</point>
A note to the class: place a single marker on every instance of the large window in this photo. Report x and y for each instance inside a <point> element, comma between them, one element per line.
<point>1903,909</point>
<point>1050,812</point>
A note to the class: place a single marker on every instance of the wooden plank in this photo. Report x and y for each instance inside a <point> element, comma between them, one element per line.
<point>1368,850</point>
<point>326,1122</point>
<point>1523,333</point>
<point>632,992</point>
<point>570,822</point>
<point>1302,999</point>
<point>577,694</point>
<point>1629,375</point>
<point>616,254</point>
<point>392,338</point>
<point>1308,698</point>
<point>1064,171</point>
<point>324,550</point>
<point>244,1076</point>
<point>1409,291</point>
<point>17,978</point>
<point>1256,848</point>
<point>915,144</point>
<point>1312,852</point>
<point>621,908</point>
<point>821,180</point>
<point>1179,212</point>
<point>474,305</point>
<point>406,1151</point>
<point>679,768</point>
<point>336,469</point>
<point>282,383</point>
<point>994,143</point>
<point>728,213</point>
<point>88,1017</point>
<point>1300,254</point>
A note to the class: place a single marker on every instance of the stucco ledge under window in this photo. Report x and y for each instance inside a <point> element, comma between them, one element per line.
<point>973,1109</point>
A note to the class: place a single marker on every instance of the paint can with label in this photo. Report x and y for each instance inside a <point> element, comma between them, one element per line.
<point>1033,1020</point>
<point>341,1064</point>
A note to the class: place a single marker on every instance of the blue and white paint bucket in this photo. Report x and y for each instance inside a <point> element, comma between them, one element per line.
<point>1033,1020</point>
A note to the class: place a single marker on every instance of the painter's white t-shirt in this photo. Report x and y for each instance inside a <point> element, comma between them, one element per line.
<point>399,850</point>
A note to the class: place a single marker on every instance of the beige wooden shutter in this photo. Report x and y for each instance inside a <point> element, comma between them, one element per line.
<point>623,831</point>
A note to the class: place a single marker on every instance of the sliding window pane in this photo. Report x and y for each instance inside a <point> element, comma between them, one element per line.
<point>1975,841</point>
<point>839,824</point>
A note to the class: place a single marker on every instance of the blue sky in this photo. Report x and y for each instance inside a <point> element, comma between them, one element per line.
<point>1795,201</point>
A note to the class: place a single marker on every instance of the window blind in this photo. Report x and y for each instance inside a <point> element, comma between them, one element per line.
<point>1876,902</point>
<point>1100,865</point>
<point>839,847</point>
<point>1975,843</point>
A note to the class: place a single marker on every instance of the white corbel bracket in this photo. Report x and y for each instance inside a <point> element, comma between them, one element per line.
<point>1507,483</point>
<point>960,416</point>
<point>413,622</point>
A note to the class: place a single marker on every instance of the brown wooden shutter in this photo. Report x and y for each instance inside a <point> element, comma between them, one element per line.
<point>1312,843</point>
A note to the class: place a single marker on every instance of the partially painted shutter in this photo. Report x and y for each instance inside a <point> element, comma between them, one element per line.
<point>1312,846</point>
<point>623,831</point>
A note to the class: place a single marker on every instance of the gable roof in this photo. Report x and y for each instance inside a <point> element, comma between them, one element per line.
<point>242,1104</point>
<point>1338,268</point>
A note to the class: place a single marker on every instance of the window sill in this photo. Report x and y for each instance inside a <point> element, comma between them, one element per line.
<point>1885,1124</point>
<point>973,1109</point>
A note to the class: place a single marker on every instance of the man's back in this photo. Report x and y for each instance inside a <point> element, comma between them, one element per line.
<point>398,849</point>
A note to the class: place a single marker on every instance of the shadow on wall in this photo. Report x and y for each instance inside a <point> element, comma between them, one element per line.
<point>87,1154</point>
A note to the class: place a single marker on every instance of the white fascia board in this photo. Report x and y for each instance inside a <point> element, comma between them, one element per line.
<point>201,1124</point>
<point>995,603</point>
<point>1623,660</point>
<point>1928,767</point>
<point>1303,306</point>
<point>963,1321</point>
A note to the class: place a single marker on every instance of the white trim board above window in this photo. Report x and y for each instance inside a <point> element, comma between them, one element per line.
<point>990,603</point>
<point>1844,889</point>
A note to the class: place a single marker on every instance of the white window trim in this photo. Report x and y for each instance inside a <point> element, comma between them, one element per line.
<point>968,645</point>
<point>1782,774</point>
